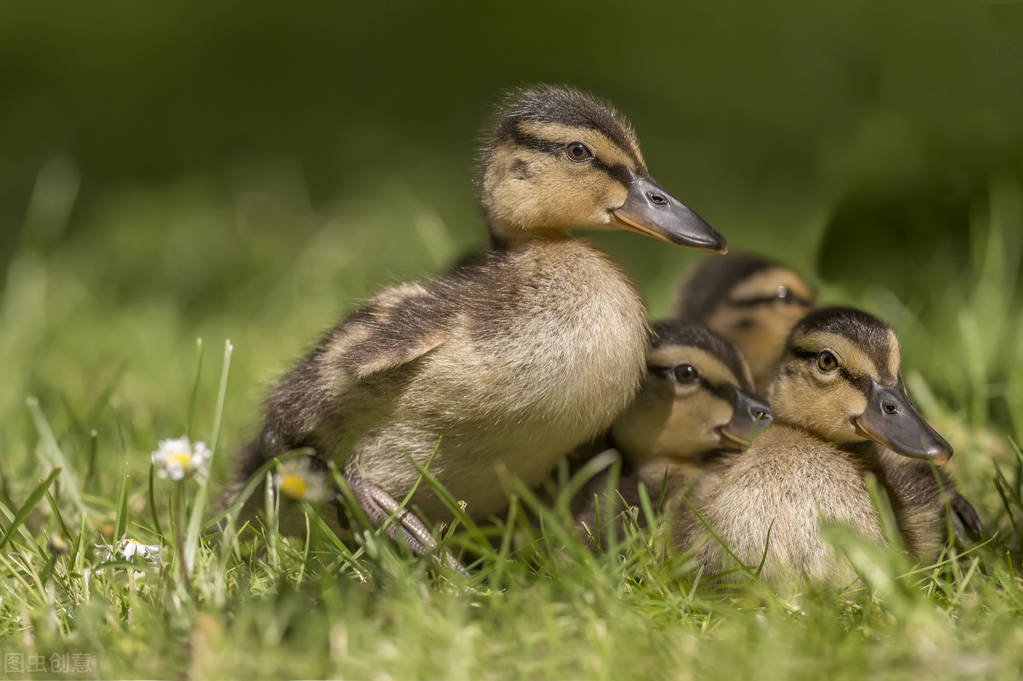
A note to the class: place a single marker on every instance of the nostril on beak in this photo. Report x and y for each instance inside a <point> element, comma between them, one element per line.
<point>657,199</point>
<point>760,416</point>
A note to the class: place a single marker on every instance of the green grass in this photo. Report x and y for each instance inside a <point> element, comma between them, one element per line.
<point>99,359</point>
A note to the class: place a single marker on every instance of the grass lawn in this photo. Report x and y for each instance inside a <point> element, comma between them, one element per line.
<point>99,361</point>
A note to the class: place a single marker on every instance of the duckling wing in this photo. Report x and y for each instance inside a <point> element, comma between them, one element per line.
<point>966,514</point>
<point>919,495</point>
<point>352,364</point>
<point>345,375</point>
<point>393,328</point>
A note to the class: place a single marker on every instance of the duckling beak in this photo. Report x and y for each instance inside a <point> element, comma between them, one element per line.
<point>749,414</point>
<point>651,211</point>
<point>891,420</point>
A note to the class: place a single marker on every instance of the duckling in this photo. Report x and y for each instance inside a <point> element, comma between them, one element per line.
<point>754,302</point>
<point>696,409</point>
<point>836,388</point>
<point>514,356</point>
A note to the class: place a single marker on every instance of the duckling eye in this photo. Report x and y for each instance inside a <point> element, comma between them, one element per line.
<point>826,361</point>
<point>578,152</point>
<point>783,293</point>
<point>686,373</point>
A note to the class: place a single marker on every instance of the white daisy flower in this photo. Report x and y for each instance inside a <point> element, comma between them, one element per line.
<point>127,549</point>
<point>301,481</point>
<point>176,458</point>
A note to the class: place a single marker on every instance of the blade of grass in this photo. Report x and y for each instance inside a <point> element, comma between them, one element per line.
<point>152,501</point>
<point>194,397</point>
<point>122,508</point>
<point>30,503</point>
<point>254,481</point>
<point>721,542</point>
<point>199,502</point>
<point>90,472</point>
<point>53,455</point>
<point>58,515</point>
<point>1005,503</point>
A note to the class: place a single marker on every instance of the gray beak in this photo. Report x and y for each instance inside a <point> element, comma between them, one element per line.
<point>749,414</point>
<point>891,420</point>
<point>651,211</point>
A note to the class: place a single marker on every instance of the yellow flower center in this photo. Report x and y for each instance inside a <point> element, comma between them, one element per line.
<point>184,458</point>
<point>294,486</point>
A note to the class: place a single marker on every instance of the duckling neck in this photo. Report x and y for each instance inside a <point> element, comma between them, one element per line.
<point>865,452</point>
<point>506,236</point>
<point>858,451</point>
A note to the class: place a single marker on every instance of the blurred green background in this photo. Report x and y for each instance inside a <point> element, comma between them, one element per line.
<point>249,170</point>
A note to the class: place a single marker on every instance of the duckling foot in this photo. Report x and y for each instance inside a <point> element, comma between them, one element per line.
<point>406,527</point>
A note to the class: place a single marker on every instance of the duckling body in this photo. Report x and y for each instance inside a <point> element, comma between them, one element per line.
<point>505,376</point>
<point>837,391</point>
<point>774,495</point>
<point>514,356</point>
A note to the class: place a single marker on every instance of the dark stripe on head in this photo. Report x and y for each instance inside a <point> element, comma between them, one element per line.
<point>674,332</point>
<point>559,104</point>
<point>525,140</point>
<point>869,333</point>
<point>709,282</point>
<point>861,383</point>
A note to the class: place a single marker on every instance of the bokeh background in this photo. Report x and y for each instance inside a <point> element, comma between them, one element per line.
<point>249,170</point>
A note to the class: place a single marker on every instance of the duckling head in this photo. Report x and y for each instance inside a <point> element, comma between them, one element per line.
<point>697,399</point>
<point>752,301</point>
<point>840,378</point>
<point>560,159</point>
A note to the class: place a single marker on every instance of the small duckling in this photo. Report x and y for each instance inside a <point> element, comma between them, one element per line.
<point>837,387</point>
<point>752,301</point>
<point>513,357</point>
<point>695,410</point>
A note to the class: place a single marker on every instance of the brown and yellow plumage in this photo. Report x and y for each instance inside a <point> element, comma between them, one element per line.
<point>695,412</point>
<point>755,302</point>
<point>514,356</point>
<point>837,391</point>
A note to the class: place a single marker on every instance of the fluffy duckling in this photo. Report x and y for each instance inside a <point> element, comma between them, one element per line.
<point>695,410</point>
<point>837,388</point>
<point>513,357</point>
<point>752,301</point>
<point>755,302</point>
